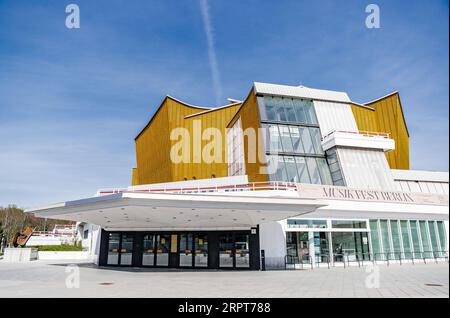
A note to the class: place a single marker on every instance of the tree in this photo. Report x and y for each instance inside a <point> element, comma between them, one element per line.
<point>14,220</point>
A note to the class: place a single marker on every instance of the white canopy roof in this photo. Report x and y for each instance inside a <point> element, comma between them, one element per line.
<point>141,211</point>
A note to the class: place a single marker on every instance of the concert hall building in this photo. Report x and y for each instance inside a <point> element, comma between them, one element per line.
<point>291,176</point>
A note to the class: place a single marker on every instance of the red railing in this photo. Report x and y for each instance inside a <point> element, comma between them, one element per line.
<point>254,186</point>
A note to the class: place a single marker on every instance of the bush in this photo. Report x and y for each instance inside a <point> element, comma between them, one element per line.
<point>59,248</point>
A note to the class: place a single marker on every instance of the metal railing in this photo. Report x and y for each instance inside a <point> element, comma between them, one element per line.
<point>360,133</point>
<point>253,186</point>
<point>362,258</point>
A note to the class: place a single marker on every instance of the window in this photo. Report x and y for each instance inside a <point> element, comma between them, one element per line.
<point>291,169</point>
<point>312,224</point>
<point>316,140</point>
<point>313,170</point>
<point>433,236</point>
<point>406,238</point>
<point>296,141</point>
<point>235,150</point>
<point>344,224</point>
<point>285,138</point>
<point>415,238</point>
<point>302,170</point>
<point>395,239</point>
<point>293,135</point>
<point>385,238</point>
<point>85,234</point>
<point>442,235</point>
<point>425,242</point>
<point>285,109</point>
<point>324,171</point>
<point>306,140</point>
<point>375,238</point>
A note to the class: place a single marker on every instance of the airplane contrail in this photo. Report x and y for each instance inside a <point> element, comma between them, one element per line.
<point>214,66</point>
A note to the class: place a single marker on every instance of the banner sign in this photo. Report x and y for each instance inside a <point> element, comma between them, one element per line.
<point>313,191</point>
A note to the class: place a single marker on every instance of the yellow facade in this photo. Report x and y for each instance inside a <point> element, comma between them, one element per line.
<point>386,115</point>
<point>250,118</point>
<point>154,144</point>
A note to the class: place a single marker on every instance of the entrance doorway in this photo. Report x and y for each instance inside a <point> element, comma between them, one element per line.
<point>120,249</point>
<point>227,250</point>
<point>234,251</point>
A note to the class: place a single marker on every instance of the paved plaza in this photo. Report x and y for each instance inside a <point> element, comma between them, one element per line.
<point>50,279</point>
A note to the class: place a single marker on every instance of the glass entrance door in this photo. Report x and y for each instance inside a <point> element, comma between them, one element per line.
<point>120,249</point>
<point>201,250</point>
<point>113,249</point>
<point>126,249</point>
<point>186,250</point>
<point>226,251</point>
<point>242,253</point>
<point>148,250</point>
<point>162,249</point>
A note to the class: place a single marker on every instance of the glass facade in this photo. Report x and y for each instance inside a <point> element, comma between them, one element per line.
<point>293,141</point>
<point>348,240</point>
<point>311,224</point>
<point>235,150</point>
<point>291,110</point>
<point>375,239</point>
<point>348,224</point>
<point>442,235</point>
<point>406,239</point>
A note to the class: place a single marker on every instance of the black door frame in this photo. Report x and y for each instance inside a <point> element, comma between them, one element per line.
<point>213,249</point>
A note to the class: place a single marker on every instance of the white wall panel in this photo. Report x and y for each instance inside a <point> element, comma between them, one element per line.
<point>366,169</point>
<point>334,116</point>
<point>422,186</point>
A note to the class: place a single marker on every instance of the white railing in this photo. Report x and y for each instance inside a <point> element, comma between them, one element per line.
<point>360,133</point>
<point>253,186</point>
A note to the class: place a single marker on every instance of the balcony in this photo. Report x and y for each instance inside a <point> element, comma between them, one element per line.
<point>358,139</point>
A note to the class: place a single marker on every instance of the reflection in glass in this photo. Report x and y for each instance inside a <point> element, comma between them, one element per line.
<point>350,246</point>
<point>186,251</point>
<point>348,224</point>
<point>442,235</point>
<point>321,251</point>
<point>313,170</point>
<point>306,140</point>
<point>291,169</point>
<point>296,141</point>
<point>242,250</point>
<point>395,239</point>
<point>317,140</point>
<point>274,139</point>
<point>126,250</point>
<point>148,253</point>
<point>289,109</point>
<point>113,249</point>
<point>226,250</point>
<point>433,236</point>
<point>406,239</point>
<point>324,171</point>
<point>425,242</point>
<point>285,138</point>
<point>201,250</point>
<point>299,107</point>
<point>162,250</point>
<point>302,170</point>
<point>376,246</point>
<point>415,239</point>
<point>385,238</point>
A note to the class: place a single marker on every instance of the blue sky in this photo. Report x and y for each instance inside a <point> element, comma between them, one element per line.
<point>72,100</point>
